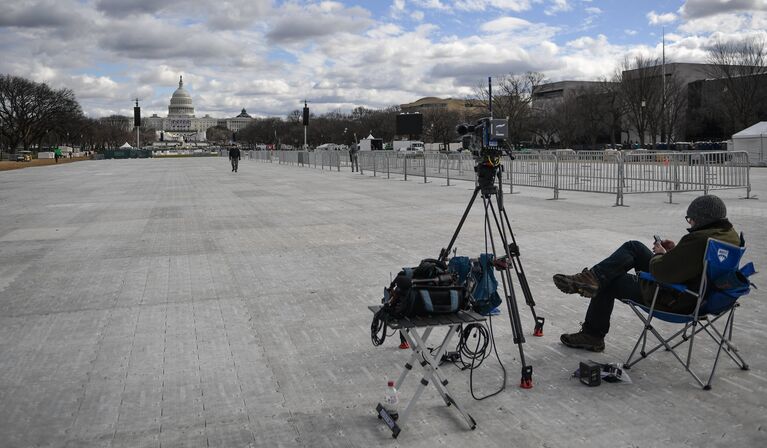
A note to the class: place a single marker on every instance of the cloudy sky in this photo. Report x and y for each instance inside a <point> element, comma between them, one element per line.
<point>267,55</point>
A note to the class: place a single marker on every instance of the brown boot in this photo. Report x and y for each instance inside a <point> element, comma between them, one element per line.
<point>584,283</point>
<point>583,340</point>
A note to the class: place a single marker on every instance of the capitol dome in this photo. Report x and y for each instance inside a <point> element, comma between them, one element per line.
<point>181,102</point>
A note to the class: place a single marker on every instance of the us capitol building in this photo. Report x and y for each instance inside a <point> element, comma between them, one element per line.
<point>182,125</point>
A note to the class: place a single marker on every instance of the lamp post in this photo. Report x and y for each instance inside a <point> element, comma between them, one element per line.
<point>305,117</point>
<point>137,123</point>
<point>641,137</point>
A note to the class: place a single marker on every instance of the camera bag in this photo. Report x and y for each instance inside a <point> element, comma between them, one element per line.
<point>425,290</point>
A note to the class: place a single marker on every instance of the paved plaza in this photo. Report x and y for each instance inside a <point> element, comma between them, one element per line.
<point>175,303</point>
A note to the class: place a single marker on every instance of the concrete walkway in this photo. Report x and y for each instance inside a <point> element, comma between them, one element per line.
<point>174,303</point>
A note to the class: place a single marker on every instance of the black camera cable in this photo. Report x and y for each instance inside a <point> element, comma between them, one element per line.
<point>379,327</point>
<point>485,339</point>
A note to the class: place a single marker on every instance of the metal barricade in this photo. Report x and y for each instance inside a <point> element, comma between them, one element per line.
<point>670,172</point>
<point>609,172</point>
<point>592,171</point>
<point>533,170</point>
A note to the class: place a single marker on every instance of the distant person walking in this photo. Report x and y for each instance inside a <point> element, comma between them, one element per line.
<point>353,158</point>
<point>234,157</point>
<point>57,154</point>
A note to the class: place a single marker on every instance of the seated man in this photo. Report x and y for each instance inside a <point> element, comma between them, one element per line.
<point>668,262</point>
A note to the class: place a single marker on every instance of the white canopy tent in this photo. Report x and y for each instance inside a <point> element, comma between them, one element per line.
<point>126,146</point>
<point>754,141</point>
<point>370,143</point>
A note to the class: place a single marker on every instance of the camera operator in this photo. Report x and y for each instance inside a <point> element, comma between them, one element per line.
<point>667,262</point>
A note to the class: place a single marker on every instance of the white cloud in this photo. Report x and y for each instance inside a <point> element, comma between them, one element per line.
<point>477,5</point>
<point>660,19</point>
<point>693,9</point>
<point>265,55</point>
<point>385,31</point>
<point>315,21</point>
<point>727,23</point>
<point>504,24</point>
<point>432,4</point>
<point>95,86</point>
<point>589,58</point>
<point>558,6</point>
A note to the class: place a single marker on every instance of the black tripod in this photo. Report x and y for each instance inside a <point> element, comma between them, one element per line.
<point>486,176</point>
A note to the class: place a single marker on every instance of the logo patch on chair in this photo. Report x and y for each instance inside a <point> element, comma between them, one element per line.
<point>722,254</point>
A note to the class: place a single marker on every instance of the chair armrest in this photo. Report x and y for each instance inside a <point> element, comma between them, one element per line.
<point>675,286</point>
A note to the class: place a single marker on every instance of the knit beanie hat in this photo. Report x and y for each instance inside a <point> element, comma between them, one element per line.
<point>706,209</point>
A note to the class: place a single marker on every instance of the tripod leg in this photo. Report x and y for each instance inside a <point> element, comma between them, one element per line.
<point>520,271</point>
<point>511,302</point>
<point>513,251</point>
<point>446,251</point>
<point>526,381</point>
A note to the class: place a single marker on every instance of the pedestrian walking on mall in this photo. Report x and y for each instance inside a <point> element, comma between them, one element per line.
<point>234,157</point>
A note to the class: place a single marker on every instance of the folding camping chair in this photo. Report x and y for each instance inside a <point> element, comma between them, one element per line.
<point>722,284</point>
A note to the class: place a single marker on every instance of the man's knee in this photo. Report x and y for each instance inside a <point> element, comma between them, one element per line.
<point>634,246</point>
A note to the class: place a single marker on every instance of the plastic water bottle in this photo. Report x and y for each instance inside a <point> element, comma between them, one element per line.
<point>391,400</point>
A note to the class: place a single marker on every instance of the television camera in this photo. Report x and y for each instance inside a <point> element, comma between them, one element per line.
<point>487,140</point>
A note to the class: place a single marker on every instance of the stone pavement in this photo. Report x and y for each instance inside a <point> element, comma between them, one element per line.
<point>174,303</point>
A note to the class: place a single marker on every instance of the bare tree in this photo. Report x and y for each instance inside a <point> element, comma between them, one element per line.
<point>568,129</point>
<point>28,110</point>
<point>641,92</point>
<point>615,107</point>
<point>439,126</point>
<point>592,114</point>
<point>674,108</point>
<point>264,131</point>
<point>544,127</point>
<point>739,65</point>
<point>218,134</point>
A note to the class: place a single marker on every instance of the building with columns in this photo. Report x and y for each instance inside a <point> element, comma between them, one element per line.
<point>181,120</point>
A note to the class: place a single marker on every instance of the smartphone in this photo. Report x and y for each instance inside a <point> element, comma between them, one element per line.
<point>657,239</point>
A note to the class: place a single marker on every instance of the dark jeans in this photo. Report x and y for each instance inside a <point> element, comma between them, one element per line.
<point>235,163</point>
<point>616,283</point>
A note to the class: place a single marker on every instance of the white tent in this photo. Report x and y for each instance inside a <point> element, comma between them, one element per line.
<point>370,143</point>
<point>126,146</point>
<point>754,141</point>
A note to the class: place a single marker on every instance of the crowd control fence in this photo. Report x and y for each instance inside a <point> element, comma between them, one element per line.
<point>618,173</point>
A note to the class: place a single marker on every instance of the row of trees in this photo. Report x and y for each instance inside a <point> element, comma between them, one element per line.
<point>31,112</point>
<point>35,116</point>
<point>345,128</point>
<point>336,127</point>
<point>640,102</point>
<point>639,99</point>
